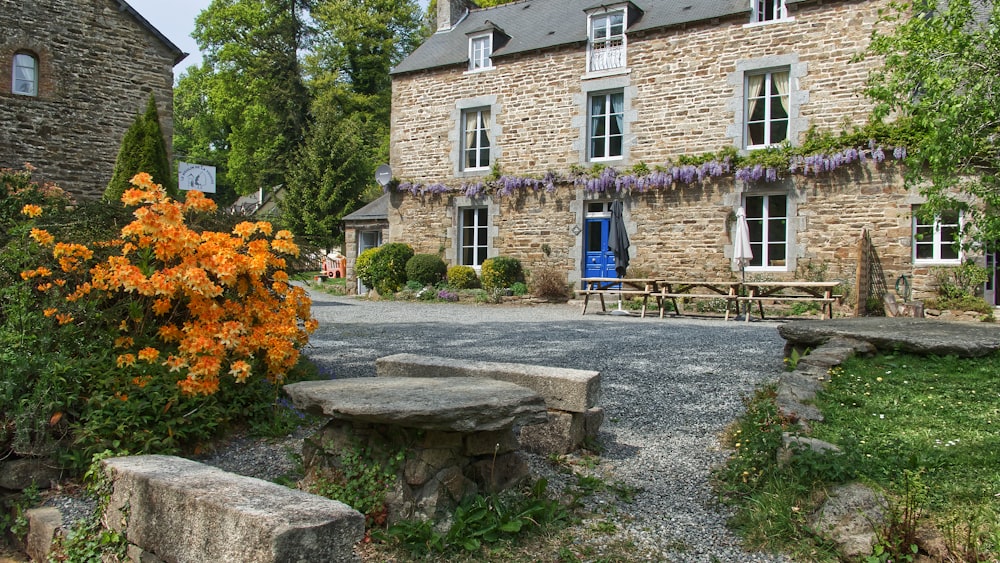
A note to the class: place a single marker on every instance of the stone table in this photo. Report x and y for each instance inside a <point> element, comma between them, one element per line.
<point>445,438</point>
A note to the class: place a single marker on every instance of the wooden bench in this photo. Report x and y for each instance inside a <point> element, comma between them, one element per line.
<point>631,287</point>
<point>674,290</point>
<point>815,292</point>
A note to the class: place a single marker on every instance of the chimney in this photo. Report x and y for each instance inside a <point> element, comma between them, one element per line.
<point>450,12</point>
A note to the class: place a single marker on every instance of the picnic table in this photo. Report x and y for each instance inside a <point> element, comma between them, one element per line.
<point>695,289</point>
<point>792,291</point>
<point>617,286</point>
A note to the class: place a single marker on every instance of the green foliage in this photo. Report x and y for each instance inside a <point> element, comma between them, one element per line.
<point>941,76</point>
<point>14,511</point>
<point>897,538</point>
<point>519,288</point>
<point>90,541</point>
<point>426,269</point>
<point>961,281</point>
<point>482,520</point>
<point>143,149</point>
<point>384,268</point>
<point>361,481</point>
<point>501,272</point>
<point>247,105</point>
<point>462,277</point>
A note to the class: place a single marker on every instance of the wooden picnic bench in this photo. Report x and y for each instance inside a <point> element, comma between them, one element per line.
<point>632,287</point>
<point>695,289</point>
<point>792,291</point>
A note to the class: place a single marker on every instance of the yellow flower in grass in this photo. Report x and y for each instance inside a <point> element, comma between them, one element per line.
<point>31,210</point>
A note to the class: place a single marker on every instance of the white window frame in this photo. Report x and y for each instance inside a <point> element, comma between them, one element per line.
<point>607,52</point>
<point>761,248</point>
<point>762,11</point>
<point>768,82</point>
<point>480,128</point>
<point>480,51</point>
<point>18,83</point>
<point>937,242</point>
<point>608,114</point>
<point>477,231</point>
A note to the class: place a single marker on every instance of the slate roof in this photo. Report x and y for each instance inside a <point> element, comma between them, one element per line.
<point>541,24</point>
<point>179,55</point>
<point>376,210</point>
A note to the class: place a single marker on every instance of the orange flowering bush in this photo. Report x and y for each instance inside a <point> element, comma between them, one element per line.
<point>152,338</point>
<point>202,304</point>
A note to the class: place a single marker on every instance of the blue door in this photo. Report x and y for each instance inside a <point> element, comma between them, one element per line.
<point>599,262</point>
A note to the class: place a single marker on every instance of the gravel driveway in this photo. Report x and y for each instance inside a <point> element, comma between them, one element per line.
<point>669,387</point>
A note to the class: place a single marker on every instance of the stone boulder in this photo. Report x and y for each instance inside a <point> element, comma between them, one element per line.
<point>457,404</point>
<point>849,518</point>
<point>918,336</point>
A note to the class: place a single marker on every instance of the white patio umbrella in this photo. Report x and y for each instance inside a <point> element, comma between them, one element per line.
<point>742,253</point>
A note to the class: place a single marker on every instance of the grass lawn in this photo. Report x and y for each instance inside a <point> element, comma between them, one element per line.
<point>925,430</point>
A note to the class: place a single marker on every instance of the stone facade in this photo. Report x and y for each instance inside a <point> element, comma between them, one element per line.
<point>98,62</point>
<point>683,94</point>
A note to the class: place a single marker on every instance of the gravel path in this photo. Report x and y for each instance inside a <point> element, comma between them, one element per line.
<point>669,386</point>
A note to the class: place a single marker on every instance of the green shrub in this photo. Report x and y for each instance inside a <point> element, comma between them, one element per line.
<point>519,288</point>
<point>427,269</point>
<point>143,149</point>
<point>501,272</point>
<point>384,268</point>
<point>463,277</point>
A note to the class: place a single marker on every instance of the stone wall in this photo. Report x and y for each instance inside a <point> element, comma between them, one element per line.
<point>98,66</point>
<point>683,87</point>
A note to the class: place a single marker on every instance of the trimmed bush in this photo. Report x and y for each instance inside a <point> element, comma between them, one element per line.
<point>426,269</point>
<point>463,277</point>
<point>384,268</point>
<point>501,272</point>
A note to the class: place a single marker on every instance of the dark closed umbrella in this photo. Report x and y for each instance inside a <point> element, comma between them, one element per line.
<point>618,238</point>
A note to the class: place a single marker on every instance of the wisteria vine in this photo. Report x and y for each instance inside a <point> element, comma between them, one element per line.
<point>608,179</point>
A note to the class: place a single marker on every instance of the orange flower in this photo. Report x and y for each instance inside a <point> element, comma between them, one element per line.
<point>50,311</point>
<point>64,318</point>
<point>161,306</point>
<point>149,354</point>
<point>240,370</point>
<point>42,237</point>
<point>141,382</point>
<point>31,210</point>
<point>175,363</point>
<point>124,342</point>
<point>126,360</point>
<point>43,287</point>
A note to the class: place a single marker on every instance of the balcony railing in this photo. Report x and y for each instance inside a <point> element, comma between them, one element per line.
<point>607,54</point>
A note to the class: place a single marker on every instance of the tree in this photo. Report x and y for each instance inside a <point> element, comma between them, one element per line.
<point>143,149</point>
<point>356,43</point>
<point>941,81</point>
<point>333,168</point>
<point>253,85</point>
<point>199,135</point>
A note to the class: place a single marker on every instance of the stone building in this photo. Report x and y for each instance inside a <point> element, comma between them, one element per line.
<point>73,76</point>
<point>500,117</point>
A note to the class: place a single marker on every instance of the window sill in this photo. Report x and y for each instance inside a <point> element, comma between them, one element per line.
<point>480,70</point>
<point>768,22</point>
<point>937,262</point>
<point>606,73</point>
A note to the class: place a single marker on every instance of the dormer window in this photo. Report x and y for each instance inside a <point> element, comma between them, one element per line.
<point>606,45</point>
<point>767,10</point>
<point>480,49</point>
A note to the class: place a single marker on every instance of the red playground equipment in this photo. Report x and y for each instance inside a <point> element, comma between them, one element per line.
<point>334,266</point>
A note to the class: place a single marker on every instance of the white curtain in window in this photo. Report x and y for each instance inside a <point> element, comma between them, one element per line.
<point>618,109</point>
<point>780,81</point>
<point>755,86</point>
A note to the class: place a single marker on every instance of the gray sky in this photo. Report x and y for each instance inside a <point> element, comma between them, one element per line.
<point>175,19</point>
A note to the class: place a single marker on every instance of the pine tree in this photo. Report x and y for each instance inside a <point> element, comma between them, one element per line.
<point>143,149</point>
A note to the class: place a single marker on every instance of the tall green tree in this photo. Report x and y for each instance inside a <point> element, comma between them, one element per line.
<point>941,79</point>
<point>143,149</point>
<point>253,86</point>
<point>355,45</point>
<point>200,136</point>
